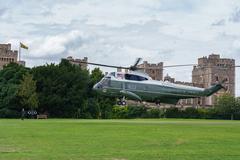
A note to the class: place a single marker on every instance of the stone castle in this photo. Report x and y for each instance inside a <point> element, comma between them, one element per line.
<point>7,55</point>
<point>78,61</point>
<point>209,71</point>
<point>213,69</point>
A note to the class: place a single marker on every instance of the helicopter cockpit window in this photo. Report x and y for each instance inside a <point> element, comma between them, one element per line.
<point>112,74</point>
<point>135,77</point>
<point>105,82</point>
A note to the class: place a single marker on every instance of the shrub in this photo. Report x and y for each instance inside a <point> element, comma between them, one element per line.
<point>8,113</point>
<point>190,112</point>
<point>137,111</point>
<point>120,112</point>
<point>155,113</point>
<point>173,112</point>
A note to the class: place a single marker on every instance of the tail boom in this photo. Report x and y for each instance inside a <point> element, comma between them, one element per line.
<point>213,89</point>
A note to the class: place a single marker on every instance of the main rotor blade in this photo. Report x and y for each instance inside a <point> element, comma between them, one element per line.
<point>186,65</point>
<point>137,61</point>
<point>104,65</point>
<point>134,67</point>
<point>179,65</point>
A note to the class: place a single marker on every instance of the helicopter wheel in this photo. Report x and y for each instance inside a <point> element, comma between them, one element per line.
<point>122,102</point>
<point>119,103</point>
<point>157,103</point>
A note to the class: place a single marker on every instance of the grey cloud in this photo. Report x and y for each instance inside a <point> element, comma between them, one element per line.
<point>183,5</point>
<point>235,17</point>
<point>166,52</point>
<point>149,26</point>
<point>3,11</point>
<point>46,29</point>
<point>47,13</point>
<point>219,23</point>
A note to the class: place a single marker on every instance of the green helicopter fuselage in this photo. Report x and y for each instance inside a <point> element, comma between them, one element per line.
<point>140,87</point>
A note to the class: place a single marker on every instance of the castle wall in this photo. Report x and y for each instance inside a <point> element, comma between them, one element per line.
<point>78,62</point>
<point>155,71</point>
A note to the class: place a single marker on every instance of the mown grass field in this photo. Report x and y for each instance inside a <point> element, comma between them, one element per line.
<point>141,139</point>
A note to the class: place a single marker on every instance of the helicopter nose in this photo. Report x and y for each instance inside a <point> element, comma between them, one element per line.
<point>96,86</point>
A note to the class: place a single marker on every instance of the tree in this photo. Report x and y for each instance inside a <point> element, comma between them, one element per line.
<point>228,105</point>
<point>96,75</point>
<point>10,77</point>
<point>62,89</point>
<point>27,92</point>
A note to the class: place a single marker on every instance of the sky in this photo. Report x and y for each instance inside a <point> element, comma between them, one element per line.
<point>116,32</point>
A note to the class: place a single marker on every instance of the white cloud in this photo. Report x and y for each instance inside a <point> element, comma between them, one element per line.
<point>236,45</point>
<point>54,45</point>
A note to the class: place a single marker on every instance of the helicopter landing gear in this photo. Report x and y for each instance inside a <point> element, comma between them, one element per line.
<point>157,103</point>
<point>122,102</point>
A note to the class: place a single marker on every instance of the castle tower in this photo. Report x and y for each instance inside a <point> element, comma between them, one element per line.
<point>7,55</point>
<point>213,69</point>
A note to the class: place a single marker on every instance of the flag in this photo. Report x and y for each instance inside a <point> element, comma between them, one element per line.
<point>23,45</point>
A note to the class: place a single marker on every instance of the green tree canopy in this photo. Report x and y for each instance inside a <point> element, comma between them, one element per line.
<point>10,79</point>
<point>96,75</point>
<point>27,92</point>
<point>228,105</point>
<point>62,89</point>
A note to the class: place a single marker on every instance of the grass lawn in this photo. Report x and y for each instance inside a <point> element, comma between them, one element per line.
<point>141,139</point>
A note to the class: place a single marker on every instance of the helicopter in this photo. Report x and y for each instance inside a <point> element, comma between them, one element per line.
<point>139,86</point>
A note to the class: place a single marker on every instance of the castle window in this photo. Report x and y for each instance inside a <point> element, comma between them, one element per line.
<point>227,79</point>
<point>216,78</point>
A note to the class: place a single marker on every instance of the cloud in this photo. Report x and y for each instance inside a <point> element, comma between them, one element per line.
<point>2,11</point>
<point>219,23</point>
<point>57,45</point>
<point>235,16</point>
<point>236,44</point>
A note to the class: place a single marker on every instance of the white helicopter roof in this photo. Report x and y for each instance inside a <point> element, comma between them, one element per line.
<point>121,75</point>
<point>118,74</point>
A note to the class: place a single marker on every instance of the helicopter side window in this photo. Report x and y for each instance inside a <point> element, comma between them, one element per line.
<point>120,76</point>
<point>135,77</point>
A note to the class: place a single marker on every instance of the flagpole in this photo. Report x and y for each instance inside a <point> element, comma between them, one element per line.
<point>19,52</point>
